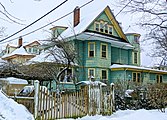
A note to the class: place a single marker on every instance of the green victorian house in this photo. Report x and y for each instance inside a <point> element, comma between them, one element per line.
<point>106,53</point>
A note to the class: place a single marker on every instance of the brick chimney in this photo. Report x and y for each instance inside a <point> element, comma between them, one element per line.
<point>20,42</point>
<point>76,16</point>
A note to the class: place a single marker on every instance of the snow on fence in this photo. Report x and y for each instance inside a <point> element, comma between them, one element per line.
<point>91,99</point>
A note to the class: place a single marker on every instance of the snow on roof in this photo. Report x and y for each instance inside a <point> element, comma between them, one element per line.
<point>13,80</point>
<point>42,57</point>
<point>30,43</point>
<point>91,82</point>
<point>11,110</point>
<point>81,27</point>
<point>114,42</point>
<point>12,45</point>
<point>2,61</point>
<point>135,67</point>
<point>45,56</point>
<point>18,51</point>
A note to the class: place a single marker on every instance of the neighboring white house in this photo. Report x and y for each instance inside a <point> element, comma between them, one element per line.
<point>21,53</point>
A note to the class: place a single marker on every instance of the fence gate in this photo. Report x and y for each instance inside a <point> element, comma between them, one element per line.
<point>65,105</point>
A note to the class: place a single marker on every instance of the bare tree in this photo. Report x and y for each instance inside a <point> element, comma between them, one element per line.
<point>153,18</point>
<point>64,53</point>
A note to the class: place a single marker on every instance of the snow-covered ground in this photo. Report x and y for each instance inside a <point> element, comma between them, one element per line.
<point>11,110</point>
<point>130,115</point>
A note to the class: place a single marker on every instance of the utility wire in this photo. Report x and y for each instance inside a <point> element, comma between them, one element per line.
<point>123,8</point>
<point>49,23</point>
<point>34,21</point>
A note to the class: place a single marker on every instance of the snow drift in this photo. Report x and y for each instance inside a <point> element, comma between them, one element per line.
<point>11,110</point>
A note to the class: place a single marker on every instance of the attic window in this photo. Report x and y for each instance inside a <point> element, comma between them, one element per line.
<point>106,28</point>
<point>97,26</point>
<point>103,27</point>
<point>110,30</point>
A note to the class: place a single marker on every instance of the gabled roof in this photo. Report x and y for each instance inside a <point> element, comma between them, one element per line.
<point>46,56</point>
<point>18,51</point>
<point>88,20</point>
<point>29,44</point>
<point>42,57</point>
<point>11,45</point>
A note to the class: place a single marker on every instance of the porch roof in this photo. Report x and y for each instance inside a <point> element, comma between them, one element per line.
<point>91,82</point>
<point>95,36</point>
<point>115,67</point>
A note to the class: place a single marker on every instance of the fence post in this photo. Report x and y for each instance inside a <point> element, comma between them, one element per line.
<point>113,97</point>
<point>36,86</point>
<point>89,106</point>
<point>99,98</point>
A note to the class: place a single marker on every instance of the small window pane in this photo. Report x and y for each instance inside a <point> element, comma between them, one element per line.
<point>91,49</point>
<point>97,26</point>
<point>138,77</point>
<point>101,27</point>
<point>91,72</point>
<point>104,51</point>
<point>134,77</point>
<point>91,46</point>
<point>135,57</point>
<point>104,74</point>
<point>160,78</point>
<point>110,30</point>
<point>106,28</point>
<point>91,53</point>
<point>136,39</point>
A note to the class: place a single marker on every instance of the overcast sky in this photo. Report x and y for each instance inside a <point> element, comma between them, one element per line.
<point>30,10</point>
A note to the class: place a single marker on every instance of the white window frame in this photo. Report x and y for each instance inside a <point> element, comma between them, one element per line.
<point>89,69</point>
<point>89,43</point>
<point>106,74</point>
<point>101,51</point>
<point>95,25</point>
<point>135,60</point>
<point>136,79</point>
<point>158,78</point>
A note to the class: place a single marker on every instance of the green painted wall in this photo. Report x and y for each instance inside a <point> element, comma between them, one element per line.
<point>57,31</point>
<point>131,39</point>
<point>165,78</point>
<point>96,61</point>
<point>105,18</point>
<point>121,56</point>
